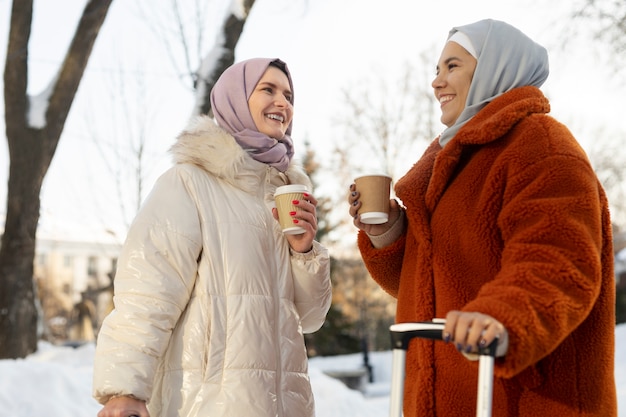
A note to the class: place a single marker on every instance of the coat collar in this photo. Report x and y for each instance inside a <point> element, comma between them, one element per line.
<point>204,144</point>
<point>499,116</point>
<point>432,174</point>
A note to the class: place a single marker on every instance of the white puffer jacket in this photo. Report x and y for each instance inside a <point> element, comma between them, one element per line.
<point>210,303</point>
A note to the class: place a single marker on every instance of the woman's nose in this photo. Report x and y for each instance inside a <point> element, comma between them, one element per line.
<point>281,101</point>
<point>437,82</point>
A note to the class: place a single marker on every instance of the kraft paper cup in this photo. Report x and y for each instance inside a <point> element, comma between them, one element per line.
<point>283,197</point>
<point>375,192</point>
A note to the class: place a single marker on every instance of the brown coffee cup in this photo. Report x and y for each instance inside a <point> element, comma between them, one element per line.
<point>374,196</point>
<point>283,198</point>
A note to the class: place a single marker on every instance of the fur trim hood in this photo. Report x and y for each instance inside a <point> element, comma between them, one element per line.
<point>205,144</point>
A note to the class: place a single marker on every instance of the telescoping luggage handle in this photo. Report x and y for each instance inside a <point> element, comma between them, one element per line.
<point>401,335</point>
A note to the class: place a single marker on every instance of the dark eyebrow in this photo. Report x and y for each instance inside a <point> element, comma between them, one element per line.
<point>267,83</point>
<point>273,86</point>
<point>452,58</point>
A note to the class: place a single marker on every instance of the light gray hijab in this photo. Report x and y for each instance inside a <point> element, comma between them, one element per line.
<point>507,59</point>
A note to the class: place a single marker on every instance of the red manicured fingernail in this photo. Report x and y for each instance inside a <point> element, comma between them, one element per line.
<point>292,213</point>
<point>295,202</point>
<point>296,221</point>
<point>305,194</point>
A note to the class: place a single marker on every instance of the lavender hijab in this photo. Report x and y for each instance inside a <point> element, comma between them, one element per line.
<point>229,102</point>
<point>506,59</point>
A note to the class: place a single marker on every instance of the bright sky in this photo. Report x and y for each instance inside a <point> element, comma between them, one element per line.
<point>328,44</point>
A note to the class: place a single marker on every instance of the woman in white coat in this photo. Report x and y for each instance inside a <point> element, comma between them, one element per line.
<point>211,298</point>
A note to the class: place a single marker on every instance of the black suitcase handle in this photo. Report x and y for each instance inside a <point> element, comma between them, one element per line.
<point>401,335</point>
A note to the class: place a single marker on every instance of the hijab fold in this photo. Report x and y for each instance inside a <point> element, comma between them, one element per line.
<point>506,59</point>
<point>229,102</point>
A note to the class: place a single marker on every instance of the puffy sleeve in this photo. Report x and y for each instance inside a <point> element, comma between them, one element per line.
<point>155,276</point>
<point>312,286</point>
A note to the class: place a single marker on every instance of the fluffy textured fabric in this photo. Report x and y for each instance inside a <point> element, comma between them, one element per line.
<point>509,220</point>
<point>229,102</point>
<point>207,145</point>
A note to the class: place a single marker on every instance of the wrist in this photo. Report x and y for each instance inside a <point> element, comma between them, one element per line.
<point>391,235</point>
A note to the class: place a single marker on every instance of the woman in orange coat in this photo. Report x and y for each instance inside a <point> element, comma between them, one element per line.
<point>504,230</point>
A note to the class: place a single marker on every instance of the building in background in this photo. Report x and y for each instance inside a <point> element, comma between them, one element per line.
<point>75,287</point>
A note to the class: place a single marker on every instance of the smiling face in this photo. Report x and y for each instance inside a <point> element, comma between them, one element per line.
<point>454,75</point>
<point>271,103</point>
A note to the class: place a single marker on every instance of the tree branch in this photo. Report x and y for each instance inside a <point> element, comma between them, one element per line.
<point>231,32</point>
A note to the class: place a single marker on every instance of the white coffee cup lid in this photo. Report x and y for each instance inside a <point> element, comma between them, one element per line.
<point>296,230</point>
<point>374,217</point>
<point>291,188</point>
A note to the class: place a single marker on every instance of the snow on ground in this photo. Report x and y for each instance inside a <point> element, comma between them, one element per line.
<point>56,382</point>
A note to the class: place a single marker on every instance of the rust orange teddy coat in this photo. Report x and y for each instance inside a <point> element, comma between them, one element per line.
<point>508,220</point>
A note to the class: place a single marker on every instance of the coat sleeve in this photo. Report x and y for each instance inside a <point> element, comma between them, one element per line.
<point>155,276</point>
<point>312,286</point>
<point>551,274</point>
<point>384,264</point>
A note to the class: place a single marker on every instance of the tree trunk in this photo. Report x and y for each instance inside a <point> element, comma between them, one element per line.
<point>231,32</point>
<point>31,150</point>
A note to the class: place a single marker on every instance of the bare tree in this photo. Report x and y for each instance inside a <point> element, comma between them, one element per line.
<point>362,299</point>
<point>222,55</point>
<point>608,18</point>
<point>605,22</point>
<point>385,125</point>
<point>181,28</point>
<point>125,144</point>
<point>202,67</point>
<point>607,157</point>
<point>32,144</point>
<point>387,121</point>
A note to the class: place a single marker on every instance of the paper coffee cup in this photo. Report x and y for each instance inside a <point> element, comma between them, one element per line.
<point>374,190</point>
<point>283,197</point>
